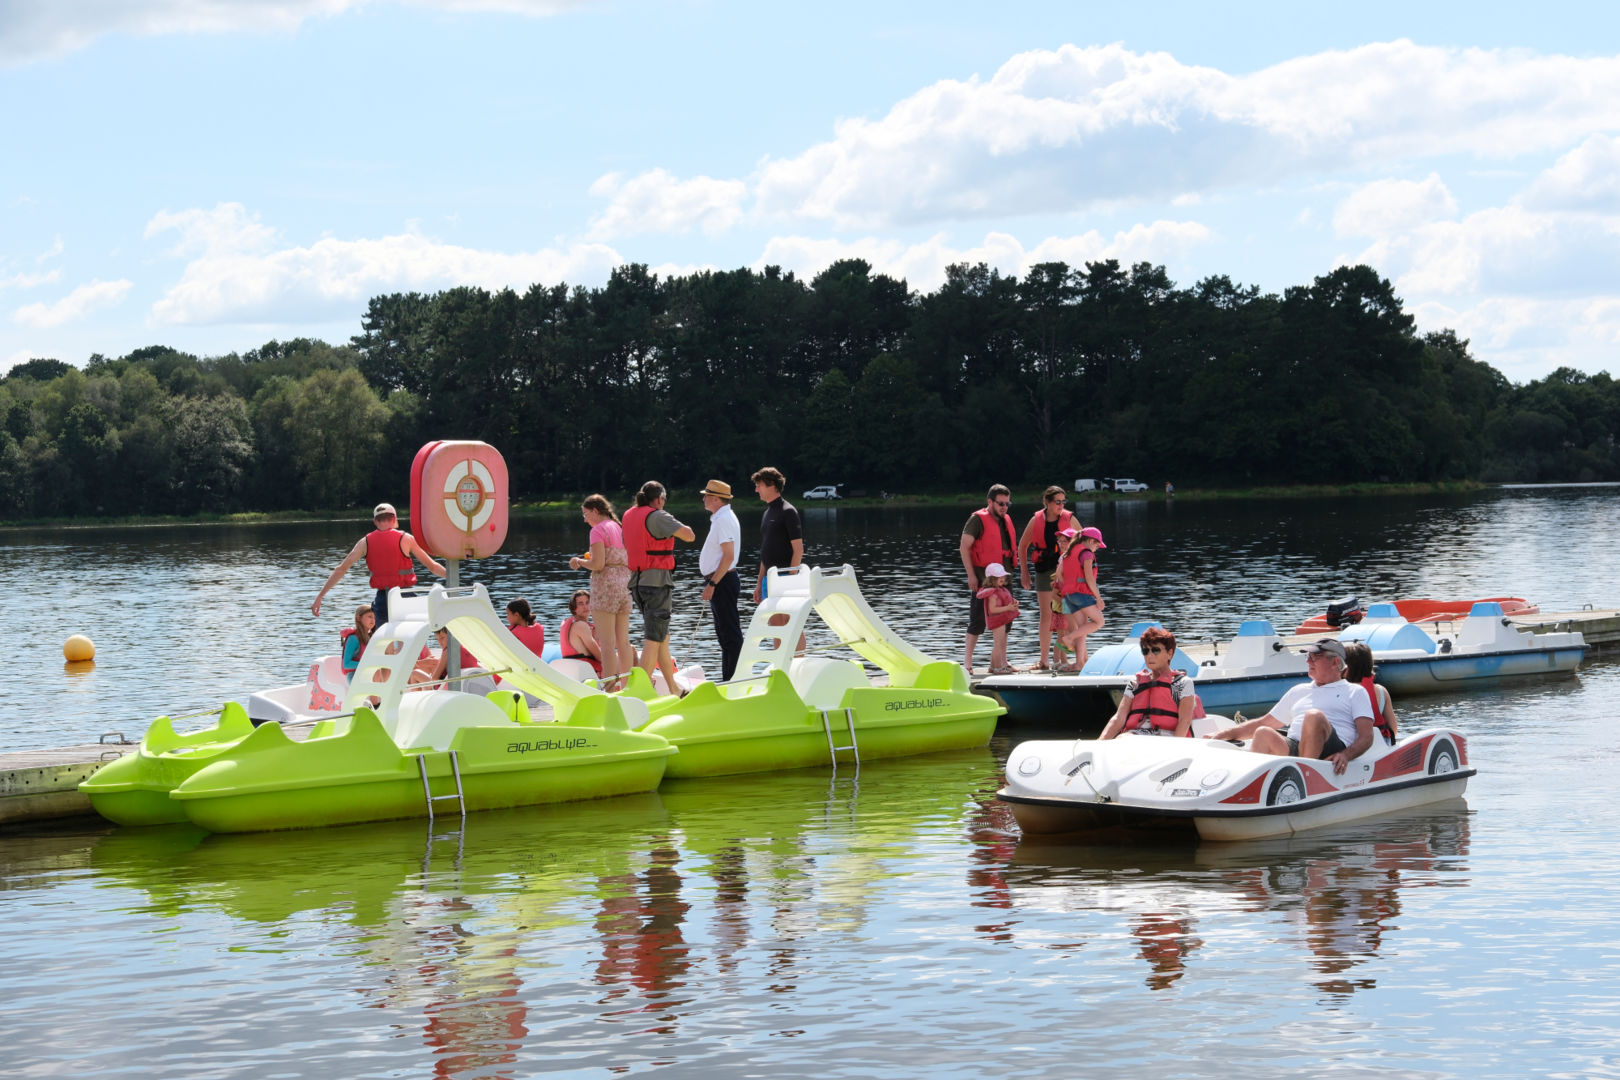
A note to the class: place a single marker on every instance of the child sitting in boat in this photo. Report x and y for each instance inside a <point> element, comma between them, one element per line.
<point>1360,669</point>
<point>356,638</point>
<point>1000,609</point>
<point>435,669</point>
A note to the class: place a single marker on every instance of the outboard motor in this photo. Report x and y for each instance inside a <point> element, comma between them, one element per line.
<point>1346,612</point>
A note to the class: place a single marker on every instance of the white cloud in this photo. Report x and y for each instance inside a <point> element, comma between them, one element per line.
<point>240,275</point>
<point>51,252</point>
<point>227,228</point>
<point>1074,128</point>
<point>1586,178</point>
<point>923,264</point>
<point>659,202</point>
<point>75,305</point>
<point>29,31</point>
<point>1387,206</point>
<point>30,281</point>
<point>1526,337</point>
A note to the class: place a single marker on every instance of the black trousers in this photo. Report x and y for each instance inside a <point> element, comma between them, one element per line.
<point>727,624</point>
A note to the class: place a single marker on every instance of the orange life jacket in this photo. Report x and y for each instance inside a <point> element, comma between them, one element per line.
<point>1379,722</point>
<point>643,551</point>
<point>1074,574</point>
<point>389,565</point>
<point>566,646</point>
<point>1042,557</point>
<point>996,542</point>
<point>1152,704</point>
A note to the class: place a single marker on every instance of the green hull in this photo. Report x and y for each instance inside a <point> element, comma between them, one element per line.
<point>134,790</point>
<point>270,782</point>
<point>771,728</point>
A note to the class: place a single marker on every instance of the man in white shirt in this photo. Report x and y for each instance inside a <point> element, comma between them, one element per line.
<point>718,565</point>
<point>1326,718</point>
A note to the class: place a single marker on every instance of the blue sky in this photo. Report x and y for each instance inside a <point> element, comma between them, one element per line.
<point>210,174</point>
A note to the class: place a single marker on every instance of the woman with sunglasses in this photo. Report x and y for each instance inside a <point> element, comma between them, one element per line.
<point>1157,700</point>
<point>1039,543</point>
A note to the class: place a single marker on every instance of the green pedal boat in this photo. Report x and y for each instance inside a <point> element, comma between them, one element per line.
<point>401,752</point>
<point>781,711</point>
<point>396,753</point>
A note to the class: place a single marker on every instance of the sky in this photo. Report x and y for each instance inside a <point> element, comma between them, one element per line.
<point>212,174</point>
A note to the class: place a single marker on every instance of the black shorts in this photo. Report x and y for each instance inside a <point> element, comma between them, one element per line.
<point>1333,745</point>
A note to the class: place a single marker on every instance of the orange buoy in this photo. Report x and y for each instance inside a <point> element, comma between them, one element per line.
<point>78,647</point>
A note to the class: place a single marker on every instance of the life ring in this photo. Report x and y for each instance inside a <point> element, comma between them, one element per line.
<point>459,499</point>
<point>469,493</point>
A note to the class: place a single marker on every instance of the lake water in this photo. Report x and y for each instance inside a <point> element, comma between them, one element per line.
<point>808,924</point>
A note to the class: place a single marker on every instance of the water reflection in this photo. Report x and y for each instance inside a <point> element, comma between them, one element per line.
<point>1335,894</point>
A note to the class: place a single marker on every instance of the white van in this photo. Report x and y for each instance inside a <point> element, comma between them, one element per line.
<point>1085,485</point>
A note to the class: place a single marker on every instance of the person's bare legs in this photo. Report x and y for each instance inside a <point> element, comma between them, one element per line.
<point>608,625</point>
<point>1090,619</point>
<point>998,648</point>
<point>1269,741</point>
<point>972,643</point>
<point>1313,734</point>
<point>1047,630</point>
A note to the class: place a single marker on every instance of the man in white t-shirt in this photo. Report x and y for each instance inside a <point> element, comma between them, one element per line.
<point>718,565</point>
<point>1326,718</point>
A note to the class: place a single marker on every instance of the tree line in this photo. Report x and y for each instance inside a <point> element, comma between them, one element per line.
<point>849,377</point>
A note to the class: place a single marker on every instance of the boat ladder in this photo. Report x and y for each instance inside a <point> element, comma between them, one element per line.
<point>834,750</point>
<point>427,787</point>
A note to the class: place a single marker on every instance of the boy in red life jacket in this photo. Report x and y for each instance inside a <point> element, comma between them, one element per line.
<point>388,553</point>
<point>1158,700</point>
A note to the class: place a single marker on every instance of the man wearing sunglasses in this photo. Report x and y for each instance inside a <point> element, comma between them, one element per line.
<point>988,537</point>
<point>1326,718</point>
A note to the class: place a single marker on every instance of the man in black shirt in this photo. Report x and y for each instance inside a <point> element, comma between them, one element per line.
<point>781,535</point>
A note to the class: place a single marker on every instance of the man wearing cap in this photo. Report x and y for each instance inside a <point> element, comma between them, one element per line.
<point>988,537</point>
<point>388,553</point>
<point>1328,718</point>
<point>718,565</point>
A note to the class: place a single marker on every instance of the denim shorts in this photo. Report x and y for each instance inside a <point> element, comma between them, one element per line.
<point>1078,602</point>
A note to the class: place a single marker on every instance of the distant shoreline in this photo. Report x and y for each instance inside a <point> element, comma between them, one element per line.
<point>548,509</point>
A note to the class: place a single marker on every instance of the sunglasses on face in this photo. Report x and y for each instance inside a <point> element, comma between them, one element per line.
<point>1149,650</point>
<point>1003,505</point>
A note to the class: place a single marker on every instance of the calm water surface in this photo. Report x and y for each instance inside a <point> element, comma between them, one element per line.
<point>809,925</point>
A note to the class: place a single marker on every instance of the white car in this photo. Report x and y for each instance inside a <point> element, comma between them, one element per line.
<point>825,491</point>
<point>1129,485</point>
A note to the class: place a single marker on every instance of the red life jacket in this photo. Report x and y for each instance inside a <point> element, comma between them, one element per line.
<point>643,551</point>
<point>996,542</point>
<point>1379,722</point>
<point>1152,704</point>
<point>389,565</point>
<point>567,646</point>
<point>1002,595</point>
<point>1074,574</point>
<point>1039,554</point>
<point>343,646</point>
<point>533,637</point>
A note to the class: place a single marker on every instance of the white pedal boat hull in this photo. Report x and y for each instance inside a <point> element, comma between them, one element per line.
<point>1220,790</point>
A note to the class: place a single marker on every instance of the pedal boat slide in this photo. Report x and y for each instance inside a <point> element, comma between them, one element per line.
<point>1219,789</point>
<point>395,752</point>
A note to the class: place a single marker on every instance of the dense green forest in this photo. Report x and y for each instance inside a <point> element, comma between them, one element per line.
<point>851,377</point>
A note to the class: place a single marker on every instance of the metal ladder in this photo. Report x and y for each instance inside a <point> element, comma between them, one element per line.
<point>427,788</point>
<point>849,726</point>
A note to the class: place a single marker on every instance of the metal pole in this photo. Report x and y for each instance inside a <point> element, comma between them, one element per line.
<point>452,579</point>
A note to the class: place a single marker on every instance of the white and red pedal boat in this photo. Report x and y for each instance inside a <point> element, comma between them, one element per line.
<point>1218,789</point>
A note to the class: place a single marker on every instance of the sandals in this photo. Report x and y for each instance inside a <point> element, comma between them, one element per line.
<point>1003,671</point>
